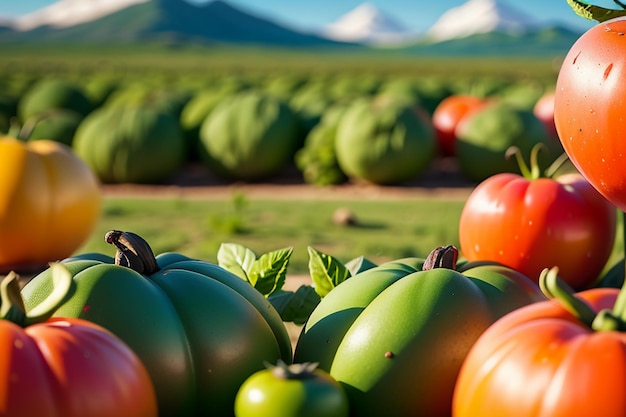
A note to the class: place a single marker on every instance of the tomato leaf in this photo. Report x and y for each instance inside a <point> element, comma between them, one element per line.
<point>296,306</point>
<point>268,273</point>
<point>359,264</point>
<point>326,271</point>
<point>237,259</point>
<point>597,13</point>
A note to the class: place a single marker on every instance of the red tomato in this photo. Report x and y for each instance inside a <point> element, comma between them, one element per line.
<point>589,108</point>
<point>64,366</point>
<point>447,116</point>
<point>529,225</point>
<point>542,360</point>
<point>544,111</point>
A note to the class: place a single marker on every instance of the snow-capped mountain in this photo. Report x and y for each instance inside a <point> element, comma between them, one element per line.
<point>367,24</point>
<point>66,13</point>
<point>481,16</point>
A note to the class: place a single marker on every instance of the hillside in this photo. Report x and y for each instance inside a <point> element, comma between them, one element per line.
<point>172,20</point>
<point>549,41</point>
<point>177,22</point>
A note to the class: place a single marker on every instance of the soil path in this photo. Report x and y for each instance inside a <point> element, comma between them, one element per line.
<point>442,181</point>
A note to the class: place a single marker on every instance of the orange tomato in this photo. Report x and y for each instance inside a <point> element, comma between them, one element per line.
<point>447,116</point>
<point>541,360</point>
<point>49,202</point>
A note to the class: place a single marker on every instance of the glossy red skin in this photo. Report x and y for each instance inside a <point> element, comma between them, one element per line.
<point>531,225</point>
<point>447,116</point>
<point>71,368</point>
<point>540,360</point>
<point>589,108</point>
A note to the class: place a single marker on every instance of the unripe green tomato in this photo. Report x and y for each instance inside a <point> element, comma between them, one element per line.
<point>298,390</point>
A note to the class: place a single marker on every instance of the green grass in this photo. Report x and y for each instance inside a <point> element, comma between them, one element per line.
<point>199,61</point>
<point>385,230</point>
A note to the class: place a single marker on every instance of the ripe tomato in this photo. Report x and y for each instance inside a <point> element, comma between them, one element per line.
<point>559,357</point>
<point>532,224</point>
<point>298,390</point>
<point>447,116</point>
<point>589,107</point>
<point>544,111</point>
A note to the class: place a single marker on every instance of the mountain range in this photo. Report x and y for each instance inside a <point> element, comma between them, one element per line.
<point>476,27</point>
<point>153,20</point>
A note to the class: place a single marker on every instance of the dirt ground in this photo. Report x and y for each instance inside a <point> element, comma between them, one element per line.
<point>442,180</point>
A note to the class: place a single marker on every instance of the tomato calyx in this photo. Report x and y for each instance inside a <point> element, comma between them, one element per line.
<point>303,370</point>
<point>532,171</point>
<point>597,13</point>
<point>12,305</point>
<point>605,320</point>
<point>132,251</point>
<point>441,257</point>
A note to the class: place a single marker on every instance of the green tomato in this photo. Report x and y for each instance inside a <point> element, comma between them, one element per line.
<point>196,327</point>
<point>299,390</point>
<point>402,325</point>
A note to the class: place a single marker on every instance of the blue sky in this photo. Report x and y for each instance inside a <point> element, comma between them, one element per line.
<point>416,15</point>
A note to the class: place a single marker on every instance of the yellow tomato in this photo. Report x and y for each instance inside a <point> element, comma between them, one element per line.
<point>49,202</point>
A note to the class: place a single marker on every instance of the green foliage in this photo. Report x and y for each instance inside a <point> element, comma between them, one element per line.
<point>52,93</point>
<point>249,136</point>
<point>326,271</point>
<point>317,159</point>
<point>130,144</point>
<point>267,273</point>
<point>600,14</point>
<point>384,141</point>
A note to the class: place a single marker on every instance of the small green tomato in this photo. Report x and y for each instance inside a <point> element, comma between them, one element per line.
<point>298,390</point>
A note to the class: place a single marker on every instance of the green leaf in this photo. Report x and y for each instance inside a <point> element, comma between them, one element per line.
<point>326,271</point>
<point>237,259</point>
<point>296,306</point>
<point>597,13</point>
<point>359,264</point>
<point>269,272</point>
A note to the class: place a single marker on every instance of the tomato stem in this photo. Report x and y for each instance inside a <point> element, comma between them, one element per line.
<point>294,371</point>
<point>619,309</point>
<point>12,307</point>
<point>531,172</point>
<point>554,287</point>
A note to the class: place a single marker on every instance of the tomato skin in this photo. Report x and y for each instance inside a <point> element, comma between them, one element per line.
<point>265,394</point>
<point>529,225</point>
<point>589,108</point>
<point>75,367</point>
<point>447,116</point>
<point>541,361</point>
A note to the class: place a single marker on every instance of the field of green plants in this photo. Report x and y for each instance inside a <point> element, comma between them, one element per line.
<point>141,115</point>
<point>287,108</point>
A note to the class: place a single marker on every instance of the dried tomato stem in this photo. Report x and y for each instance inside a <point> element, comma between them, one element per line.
<point>132,251</point>
<point>441,257</point>
<point>294,371</point>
